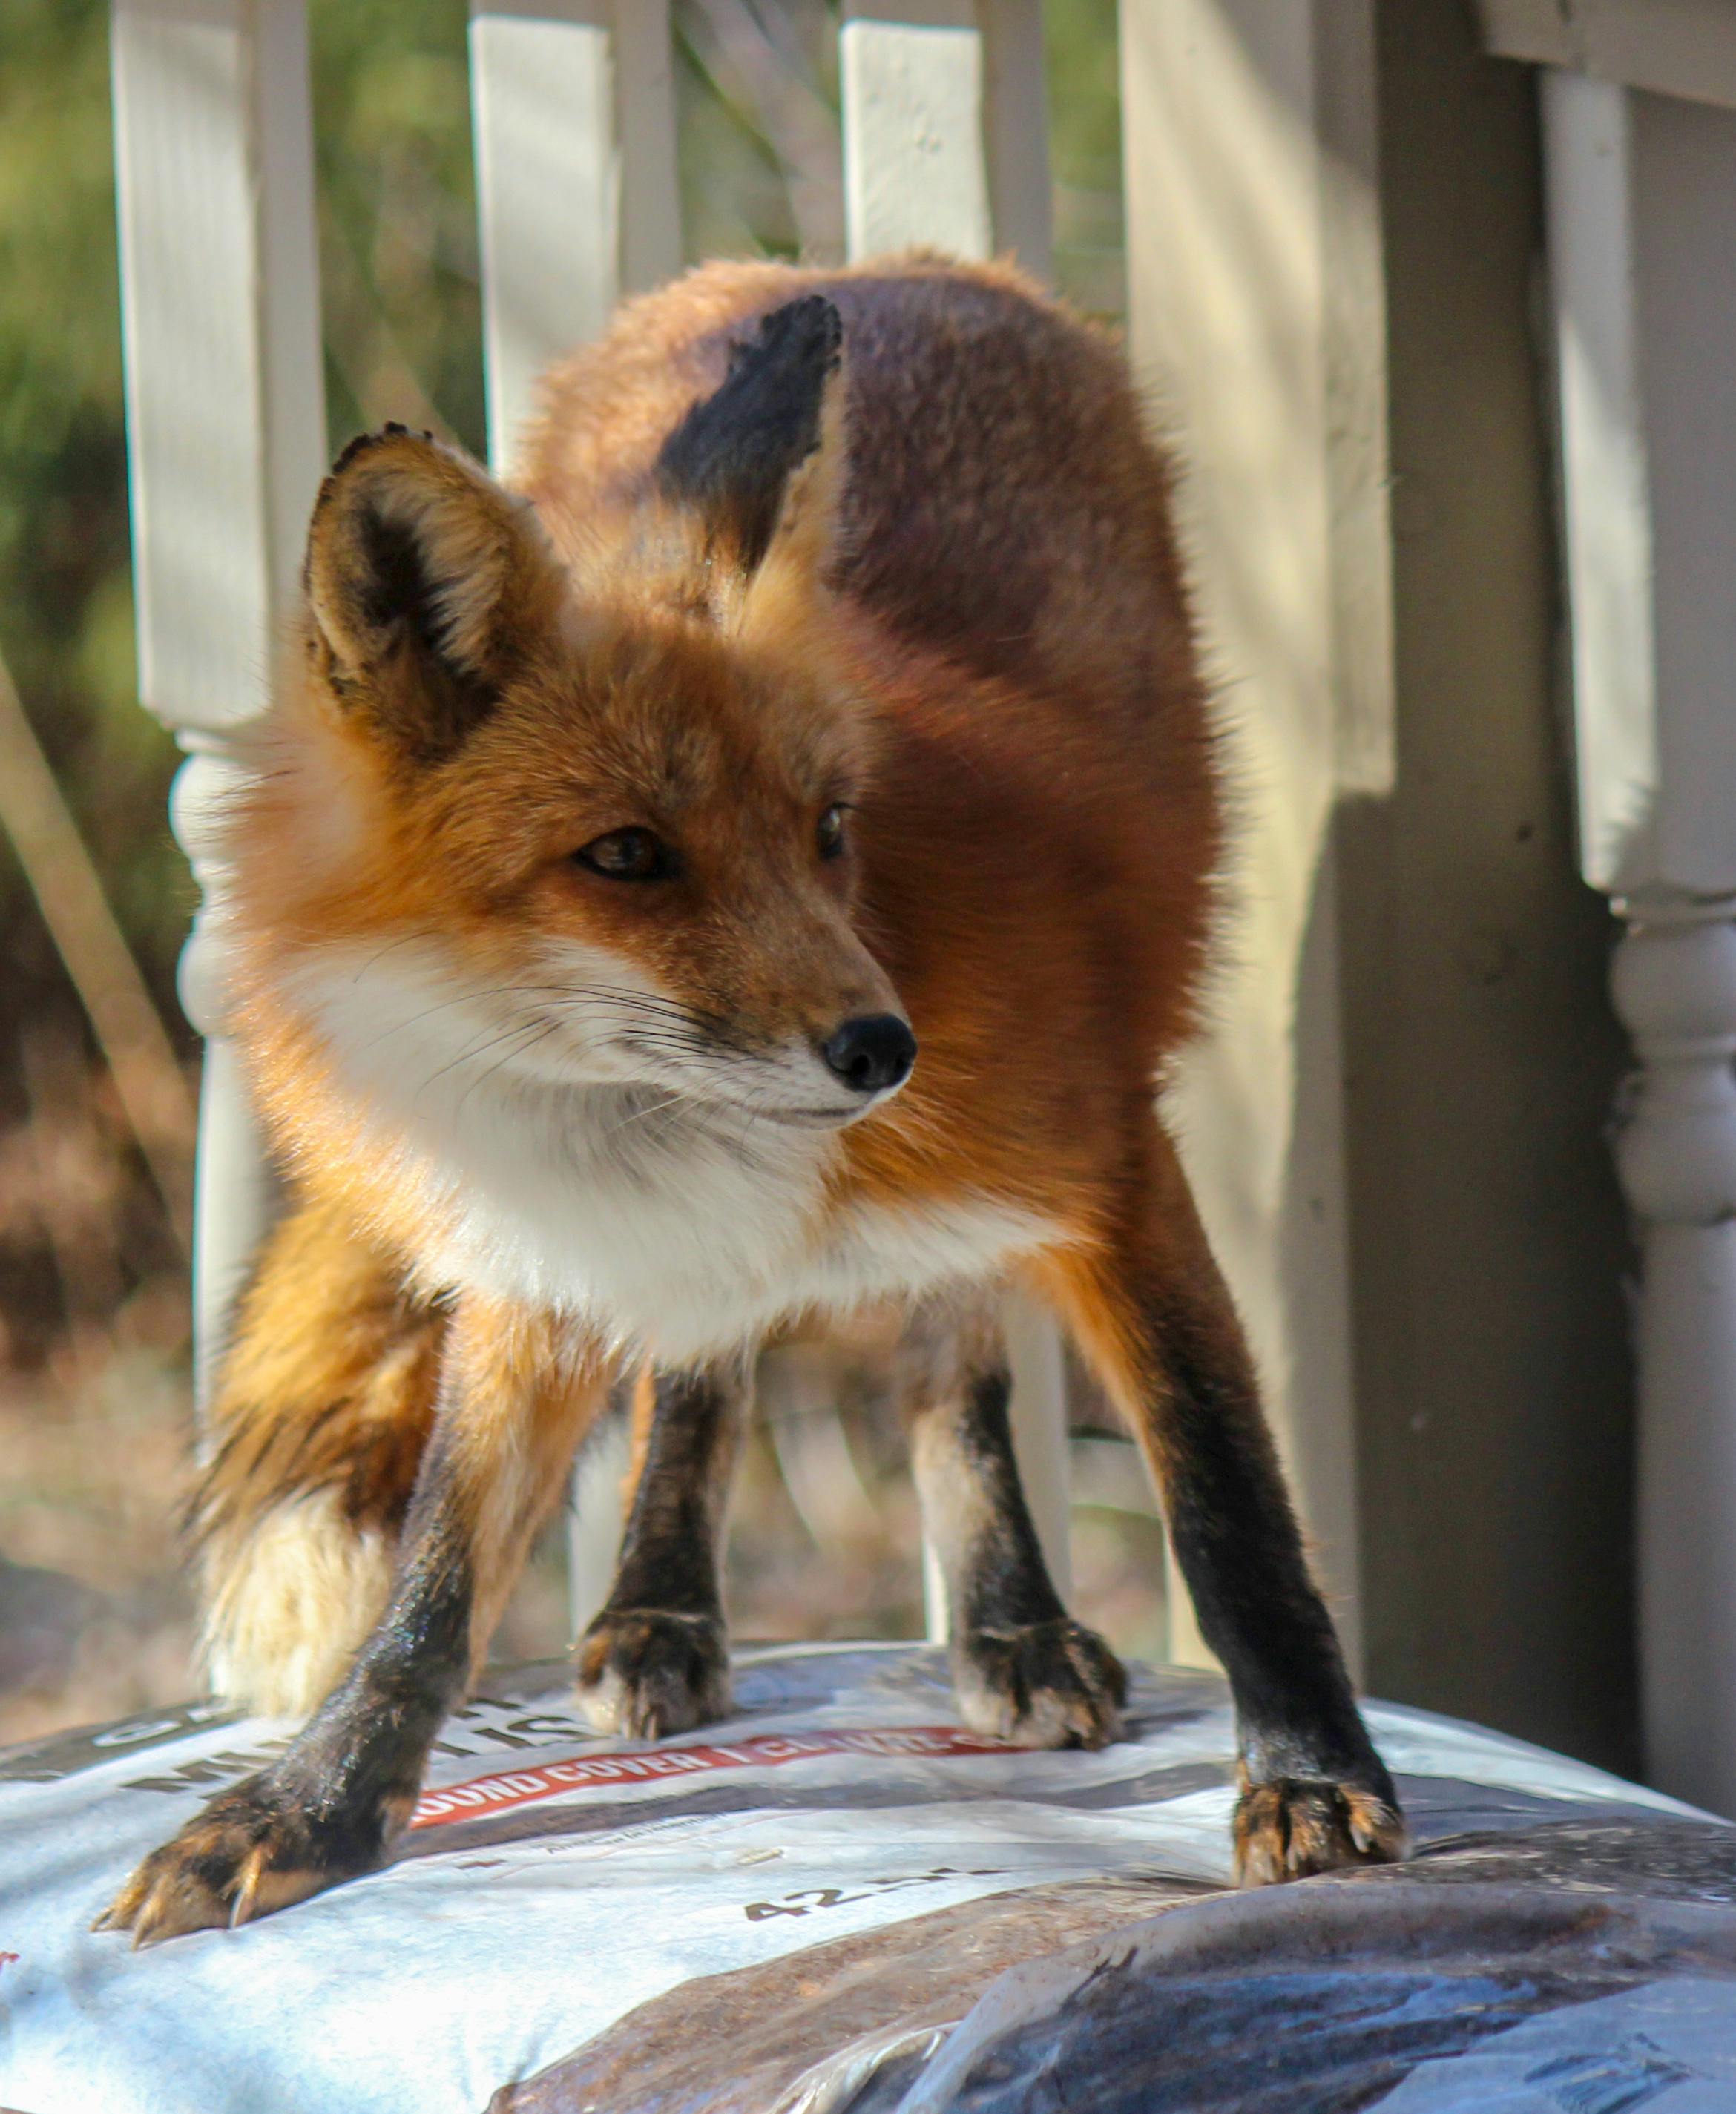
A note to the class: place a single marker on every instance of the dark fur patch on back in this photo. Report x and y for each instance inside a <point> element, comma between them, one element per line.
<point>733,455</point>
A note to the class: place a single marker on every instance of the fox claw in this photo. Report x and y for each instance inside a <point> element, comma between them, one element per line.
<point>253,1850</point>
<point>645,1671</point>
<point>1294,1827</point>
<point>1052,1684</point>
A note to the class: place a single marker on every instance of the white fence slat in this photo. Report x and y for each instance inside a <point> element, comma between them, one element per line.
<point>945,129</point>
<point>578,204</point>
<point>1683,182</point>
<point>547,184</point>
<point>226,436</point>
<point>596,1517</point>
<point>945,146</point>
<point>1674,984</point>
<point>915,167</point>
<point>226,408</point>
<point>575,178</point>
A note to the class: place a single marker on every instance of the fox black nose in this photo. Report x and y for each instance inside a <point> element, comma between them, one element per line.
<point>872,1054</point>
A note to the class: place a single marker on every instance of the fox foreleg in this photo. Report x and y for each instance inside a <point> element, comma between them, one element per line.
<point>516,1391</point>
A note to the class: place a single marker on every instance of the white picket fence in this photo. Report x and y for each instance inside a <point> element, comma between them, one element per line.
<point>944,143</point>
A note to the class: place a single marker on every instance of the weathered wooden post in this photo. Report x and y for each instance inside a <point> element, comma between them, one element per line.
<point>1642,268</point>
<point>227,444</point>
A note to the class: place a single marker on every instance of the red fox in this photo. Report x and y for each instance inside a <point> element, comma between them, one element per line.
<point>758,867</point>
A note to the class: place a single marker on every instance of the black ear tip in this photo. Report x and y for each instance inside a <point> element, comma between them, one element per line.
<point>360,446</point>
<point>348,453</point>
<point>808,329</point>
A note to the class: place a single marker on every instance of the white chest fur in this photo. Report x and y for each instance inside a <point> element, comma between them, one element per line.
<point>684,1228</point>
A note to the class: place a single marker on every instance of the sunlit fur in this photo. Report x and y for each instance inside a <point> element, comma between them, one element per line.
<point>500,1074</point>
<point>543,1123</point>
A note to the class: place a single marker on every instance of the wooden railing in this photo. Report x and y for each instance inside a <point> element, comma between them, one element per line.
<point>945,144</point>
<point>1639,125</point>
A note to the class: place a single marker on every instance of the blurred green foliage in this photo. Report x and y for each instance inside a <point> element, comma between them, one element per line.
<point>397,217</point>
<point>757,82</point>
<point>66,607</point>
<point>1083,60</point>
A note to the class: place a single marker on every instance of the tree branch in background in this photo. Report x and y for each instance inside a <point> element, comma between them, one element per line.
<point>134,1044</point>
<point>753,58</point>
<point>383,383</point>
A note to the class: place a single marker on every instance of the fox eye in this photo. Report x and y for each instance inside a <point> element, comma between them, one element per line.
<point>628,855</point>
<point>829,833</point>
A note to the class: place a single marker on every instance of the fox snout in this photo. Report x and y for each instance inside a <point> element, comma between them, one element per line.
<point>872,1054</point>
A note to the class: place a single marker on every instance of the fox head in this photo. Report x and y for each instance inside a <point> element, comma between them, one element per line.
<point>596,821</point>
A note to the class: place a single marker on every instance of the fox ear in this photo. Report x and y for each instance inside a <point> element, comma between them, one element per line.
<point>760,462</point>
<point>426,583</point>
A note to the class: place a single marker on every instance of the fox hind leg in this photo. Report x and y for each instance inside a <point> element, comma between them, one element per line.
<point>1023,1669</point>
<point>656,1658</point>
<point>1156,1318</point>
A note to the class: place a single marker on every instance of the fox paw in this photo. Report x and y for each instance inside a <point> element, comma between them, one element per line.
<point>1049,1684</point>
<point>1296,1825</point>
<point>644,1672</point>
<point>253,1850</point>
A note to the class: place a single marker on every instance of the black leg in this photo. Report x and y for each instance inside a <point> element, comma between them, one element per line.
<point>515,1394</point>
<point>1158,1319</point>
<point>655,1660</point>
<point>1022,1668</point>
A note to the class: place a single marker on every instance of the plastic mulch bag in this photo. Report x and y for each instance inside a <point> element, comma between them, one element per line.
<point>838,1903</point>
